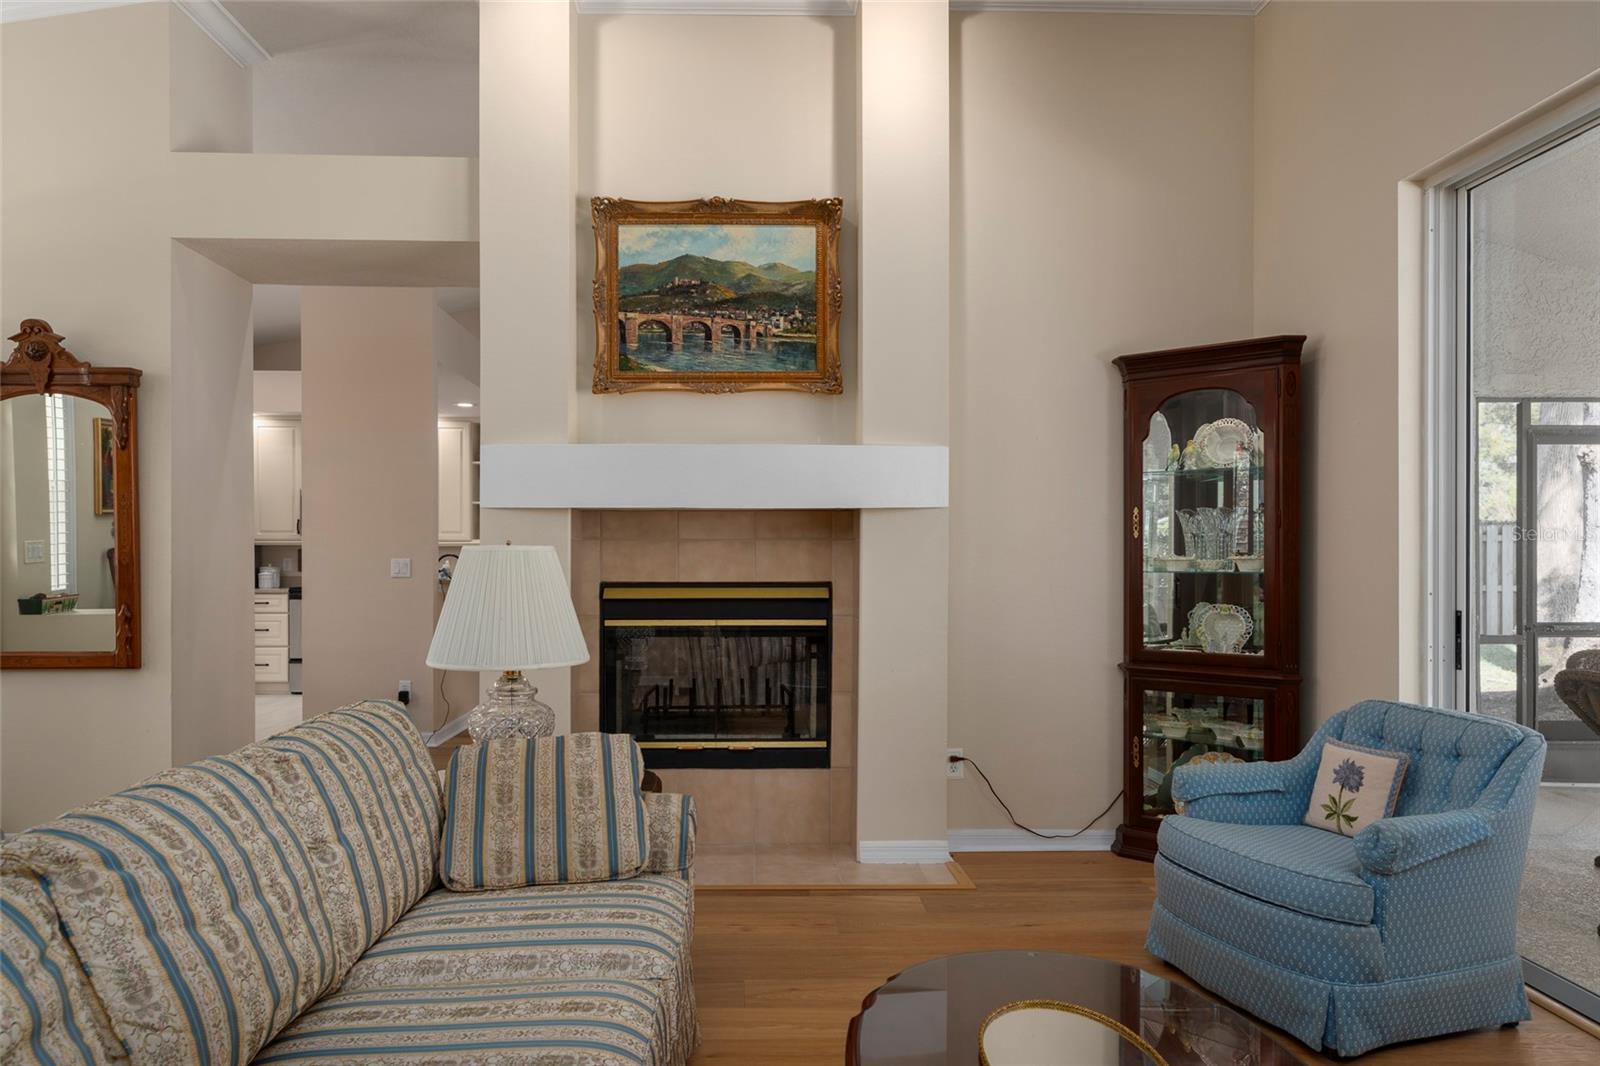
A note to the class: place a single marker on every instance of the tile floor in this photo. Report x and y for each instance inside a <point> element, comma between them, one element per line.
<point>809,866</point>
<point>274,714</point>
<point>1560,903</point>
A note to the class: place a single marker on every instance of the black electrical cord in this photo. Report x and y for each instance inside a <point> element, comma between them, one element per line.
<point>1027,829</point>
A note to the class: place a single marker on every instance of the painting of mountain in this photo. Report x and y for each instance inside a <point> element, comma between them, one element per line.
<point>715,302</point>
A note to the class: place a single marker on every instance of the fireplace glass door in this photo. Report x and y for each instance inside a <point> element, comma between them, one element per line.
<point>717,680</point>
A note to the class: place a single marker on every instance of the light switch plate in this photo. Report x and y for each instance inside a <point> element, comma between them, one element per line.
<point>399,567</point>
<point>34,552</point>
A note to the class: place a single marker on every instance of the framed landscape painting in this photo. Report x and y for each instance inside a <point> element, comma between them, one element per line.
<point>716,295</point>
<point>105,467</point>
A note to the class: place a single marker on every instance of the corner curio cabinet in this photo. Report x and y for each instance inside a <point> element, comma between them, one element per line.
<point>1211,626</point>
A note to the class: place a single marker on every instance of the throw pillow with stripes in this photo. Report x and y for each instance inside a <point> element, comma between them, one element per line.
<point>544,811</point>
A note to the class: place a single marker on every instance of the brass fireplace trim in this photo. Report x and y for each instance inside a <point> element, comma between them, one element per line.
<point>659,623</point>
<point>732,745</point>
<point>716,592</point>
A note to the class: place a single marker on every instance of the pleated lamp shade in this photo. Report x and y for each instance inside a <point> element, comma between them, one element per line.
<point>508,608</point>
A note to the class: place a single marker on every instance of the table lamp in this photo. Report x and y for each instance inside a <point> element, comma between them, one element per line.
<point>508,609</point>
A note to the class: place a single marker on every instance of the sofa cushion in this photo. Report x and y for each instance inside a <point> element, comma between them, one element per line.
<point>1293,866</point>
<point>546,810</point>
<point>361,789</point>
<point>596,1023</point>
<point>638,928</point>
<point>192,909</point>
<point>671,822</point>
<point>48,1012</point>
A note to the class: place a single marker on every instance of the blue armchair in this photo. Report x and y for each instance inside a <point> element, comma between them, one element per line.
<point>1405,930</point>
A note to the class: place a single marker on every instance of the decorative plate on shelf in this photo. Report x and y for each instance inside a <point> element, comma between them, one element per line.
<point>1221,628</point>
<point>1219,442</point>
<point>1216,756</point>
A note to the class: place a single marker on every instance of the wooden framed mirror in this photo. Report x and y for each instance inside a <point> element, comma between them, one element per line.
<point>69,508</point>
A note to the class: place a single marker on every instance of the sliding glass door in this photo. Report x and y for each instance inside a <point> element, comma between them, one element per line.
<point>1535,561</point>
<point>1518,526</point>
<point>1531,325</point>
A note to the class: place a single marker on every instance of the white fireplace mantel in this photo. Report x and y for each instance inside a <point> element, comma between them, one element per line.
<point>720,476</point>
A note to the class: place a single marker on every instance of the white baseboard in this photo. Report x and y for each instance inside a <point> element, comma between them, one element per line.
<point>919,851</point>
<point>1017,840</point>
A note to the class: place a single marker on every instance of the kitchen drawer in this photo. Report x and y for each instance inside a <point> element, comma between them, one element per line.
<point>272,664</point>
<point>272,630</point>
<point>272,601</point>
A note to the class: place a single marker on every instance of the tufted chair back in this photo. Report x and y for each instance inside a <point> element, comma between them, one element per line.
<point>1453,755</point>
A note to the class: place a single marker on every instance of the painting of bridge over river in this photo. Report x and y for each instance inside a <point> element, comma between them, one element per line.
<point>716,295</point>
<point>717,299</point>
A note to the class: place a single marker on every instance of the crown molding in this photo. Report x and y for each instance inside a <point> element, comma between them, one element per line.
<point>1117,7</point>
<point>28,10</point>
<point>212,18</point>
<point>820,8</point>
<point>219,25</point>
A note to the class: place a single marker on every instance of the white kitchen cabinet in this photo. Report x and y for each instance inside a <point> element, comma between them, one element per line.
<point>278,484</point>
<point>458,482</point>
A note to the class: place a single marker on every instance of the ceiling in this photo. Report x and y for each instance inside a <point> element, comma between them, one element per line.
<point>420,29</point>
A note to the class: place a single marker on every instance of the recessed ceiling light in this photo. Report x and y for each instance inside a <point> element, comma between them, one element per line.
<point>463,403</point>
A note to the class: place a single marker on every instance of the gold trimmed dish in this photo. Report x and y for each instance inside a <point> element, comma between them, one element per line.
<point>1037,1032</point>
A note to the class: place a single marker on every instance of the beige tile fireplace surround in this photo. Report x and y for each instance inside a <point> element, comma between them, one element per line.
<point>765,807</point>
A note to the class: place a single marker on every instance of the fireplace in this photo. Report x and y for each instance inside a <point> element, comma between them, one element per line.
<point>718,675</point>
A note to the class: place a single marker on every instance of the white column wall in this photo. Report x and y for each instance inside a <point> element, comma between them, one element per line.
<point>527,269</point>
<point>904,204</point>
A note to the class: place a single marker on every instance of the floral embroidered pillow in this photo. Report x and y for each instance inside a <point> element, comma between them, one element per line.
<point>1355,787</point>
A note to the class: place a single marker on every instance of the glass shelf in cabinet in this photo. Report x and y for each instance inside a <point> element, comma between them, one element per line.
<point>1189,739</point>
<point>1204,473</point>
<point>1175,565</point>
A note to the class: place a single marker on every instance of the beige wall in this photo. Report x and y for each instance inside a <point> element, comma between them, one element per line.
<point>210,97</point>
<point>784,129</point>
<point>1101,205</point>
<point>213,529</point>
<point>371,475</point>
<point>367,96</point>
<point>85,248</point>
<point>1351,100</point>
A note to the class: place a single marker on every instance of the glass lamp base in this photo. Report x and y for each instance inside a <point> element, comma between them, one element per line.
<point>512,710</point>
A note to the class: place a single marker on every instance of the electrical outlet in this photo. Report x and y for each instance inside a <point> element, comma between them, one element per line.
<point>405,692</point>
<point>955,770</point>
<point>399,567</point>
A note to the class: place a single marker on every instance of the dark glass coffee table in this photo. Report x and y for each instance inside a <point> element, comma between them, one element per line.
<point>931,1014</point>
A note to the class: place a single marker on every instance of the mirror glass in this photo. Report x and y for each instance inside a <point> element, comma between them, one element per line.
<point>57,525</point>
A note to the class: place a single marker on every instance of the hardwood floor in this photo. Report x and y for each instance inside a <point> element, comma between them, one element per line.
<point>779,975</point>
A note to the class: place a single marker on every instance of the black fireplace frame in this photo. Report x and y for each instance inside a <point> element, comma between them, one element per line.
<point>618,607</point>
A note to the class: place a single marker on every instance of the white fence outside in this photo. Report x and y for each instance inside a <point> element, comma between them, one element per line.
<point>1497,578</point>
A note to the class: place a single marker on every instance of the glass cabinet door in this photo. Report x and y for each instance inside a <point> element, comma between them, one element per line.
<point>1203,526</point>
<point>1183,727</point>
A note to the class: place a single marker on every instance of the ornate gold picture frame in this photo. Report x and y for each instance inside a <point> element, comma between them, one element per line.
<point>717,295</point>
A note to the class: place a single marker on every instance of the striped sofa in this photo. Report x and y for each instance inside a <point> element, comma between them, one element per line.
<point>281,905</point>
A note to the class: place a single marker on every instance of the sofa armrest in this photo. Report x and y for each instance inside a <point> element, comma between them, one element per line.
<point>670,823</point>
<point>1392,845</point>
<point>1256,793</point>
